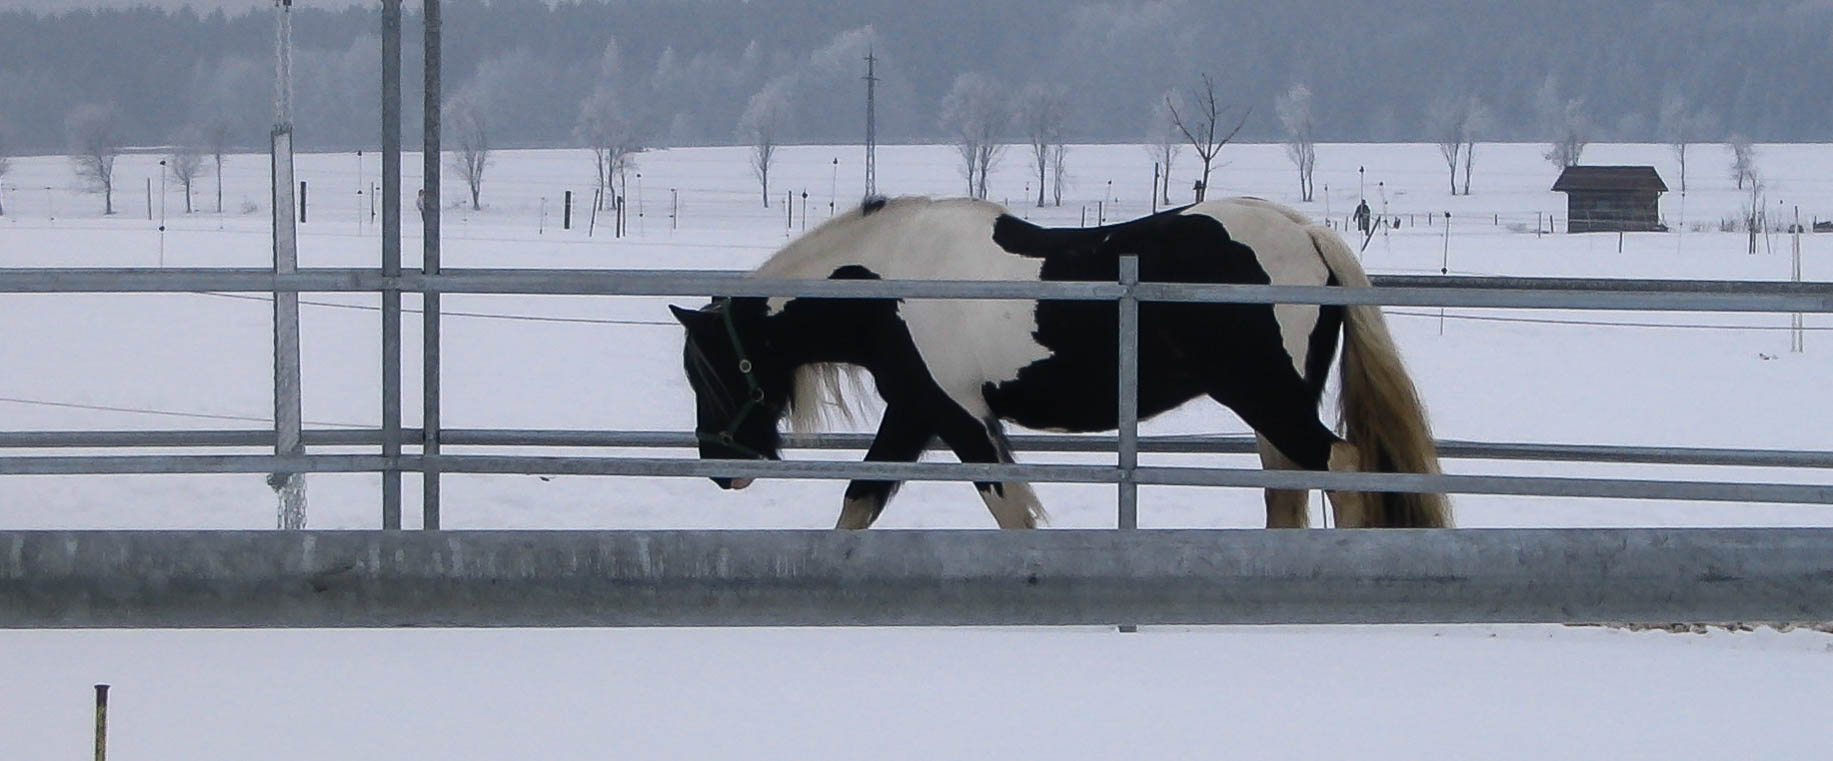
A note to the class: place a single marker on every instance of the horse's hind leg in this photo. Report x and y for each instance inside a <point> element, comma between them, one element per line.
<point>1350,507</point>
<point>1012,503</point>
<point>1280,408</point>
<point>902,437</point>
<point>1286,508</point>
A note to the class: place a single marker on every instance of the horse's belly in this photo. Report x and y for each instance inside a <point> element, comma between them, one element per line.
<point>1077,387</point>
<point>1077,402</point>
<point>969,344</point>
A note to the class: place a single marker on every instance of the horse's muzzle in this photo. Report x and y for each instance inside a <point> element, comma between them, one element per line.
<point>732,484</point>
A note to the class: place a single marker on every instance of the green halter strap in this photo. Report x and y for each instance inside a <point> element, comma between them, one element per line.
<point>754,393</point>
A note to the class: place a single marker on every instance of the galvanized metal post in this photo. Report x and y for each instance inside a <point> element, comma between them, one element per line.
<point>391,261</point>
<point>1129,400</point>
<point>1129,393</point>
<point>429,507</point>
<point>288,436</point>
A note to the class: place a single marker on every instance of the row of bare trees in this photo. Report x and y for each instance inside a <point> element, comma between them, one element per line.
<point>94,136</point>
<point>1456,124</point>
<point>977,113</point>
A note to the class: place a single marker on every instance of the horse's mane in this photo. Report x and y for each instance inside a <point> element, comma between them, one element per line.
<point>825,390</point>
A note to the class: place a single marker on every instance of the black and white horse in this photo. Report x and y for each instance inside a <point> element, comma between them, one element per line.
<point>954,369</point>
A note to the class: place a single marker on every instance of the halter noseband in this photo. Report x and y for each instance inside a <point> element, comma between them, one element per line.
<point>754,393</point>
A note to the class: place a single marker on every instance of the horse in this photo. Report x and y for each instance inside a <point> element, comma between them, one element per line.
<point>960,369</point>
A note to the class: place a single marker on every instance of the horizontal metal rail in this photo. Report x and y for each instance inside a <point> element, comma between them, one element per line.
<point>1541,486</point>
<point>1401,290</point>
<point>116,579</point>
<point>1160,444</point>
<point>1517,293</point>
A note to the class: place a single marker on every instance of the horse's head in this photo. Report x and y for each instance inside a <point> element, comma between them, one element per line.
<point>741,386</point>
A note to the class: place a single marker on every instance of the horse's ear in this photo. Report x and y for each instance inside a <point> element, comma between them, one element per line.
<point>683,316</point>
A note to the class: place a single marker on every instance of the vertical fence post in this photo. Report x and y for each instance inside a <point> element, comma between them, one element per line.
<point>429,416</point>
<point>1128,401</point>
<point>101,722</point>
<point>1797,340</point>
<point>598,202</point>
<point>391,263</point>
<point>1155,175</point>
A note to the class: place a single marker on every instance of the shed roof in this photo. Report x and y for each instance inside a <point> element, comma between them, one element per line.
<point>1610,178</point>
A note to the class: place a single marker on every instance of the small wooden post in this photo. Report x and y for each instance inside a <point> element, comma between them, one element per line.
<point>1155,189</point>
<point>101,722</point>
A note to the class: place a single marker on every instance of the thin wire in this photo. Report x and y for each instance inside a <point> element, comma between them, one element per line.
<point>171,413</point>
<point>1600,323</point>
<point>448,313</point>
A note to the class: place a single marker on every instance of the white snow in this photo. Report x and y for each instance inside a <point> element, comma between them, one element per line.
<point>1391,692</point>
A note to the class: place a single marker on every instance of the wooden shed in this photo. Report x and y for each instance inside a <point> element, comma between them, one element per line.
<point>1612,198</point>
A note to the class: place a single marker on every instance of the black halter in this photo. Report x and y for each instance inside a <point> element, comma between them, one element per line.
<point>754,393</point>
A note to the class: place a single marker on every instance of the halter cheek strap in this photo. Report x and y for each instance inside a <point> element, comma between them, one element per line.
<point>754,394</point>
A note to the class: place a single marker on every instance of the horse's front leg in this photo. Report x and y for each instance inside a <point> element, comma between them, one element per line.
<point>1012,503</point>
<point>902,437</point>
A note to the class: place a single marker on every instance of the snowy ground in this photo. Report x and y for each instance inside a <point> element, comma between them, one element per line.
<point>201,361</point>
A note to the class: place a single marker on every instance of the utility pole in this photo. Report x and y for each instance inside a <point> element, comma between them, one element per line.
<point>871,124</point>
<point>288,425</point>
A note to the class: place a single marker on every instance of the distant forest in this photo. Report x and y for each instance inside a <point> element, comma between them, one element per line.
<point>684,70</point>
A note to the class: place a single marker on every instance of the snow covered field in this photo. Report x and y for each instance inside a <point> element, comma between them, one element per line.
<point>72,362</point>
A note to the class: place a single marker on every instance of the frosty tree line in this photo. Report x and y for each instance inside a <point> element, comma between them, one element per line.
<point>619,76</point>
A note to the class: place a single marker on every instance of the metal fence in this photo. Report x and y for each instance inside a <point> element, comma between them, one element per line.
<point>392,443</point>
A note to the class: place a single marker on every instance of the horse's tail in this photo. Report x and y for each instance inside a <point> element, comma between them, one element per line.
<point>1381,412</point>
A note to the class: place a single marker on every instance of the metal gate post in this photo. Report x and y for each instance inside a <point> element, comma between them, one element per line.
<point>391,262</point>
<point>429,507</point>
<point>1129,393</point>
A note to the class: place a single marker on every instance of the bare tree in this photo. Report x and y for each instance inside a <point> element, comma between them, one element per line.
<point>607,128</point>
<point>1206,127</point>
<point>216,144</point>
<point>6,163</point>
<point>1564,123</point>
<point>1043,113</point>
<point>763,125</point>
<point>1681,125</point>
<point>1059,155</point>
<point>94,135</point>
<point>469,128</point>
<point>1743,161</point>
<point>1294,110</point>
<point>185,162</point>
<point>1445,123</point>
<point>974,113</point>
<point>1477,121</point>
<point>1164,142</point>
